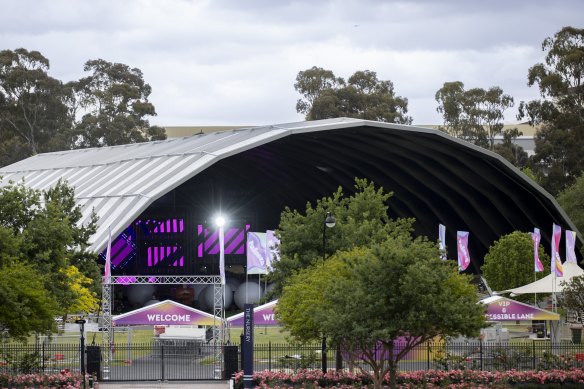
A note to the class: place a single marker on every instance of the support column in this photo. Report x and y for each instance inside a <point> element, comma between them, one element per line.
<point>108,333</point>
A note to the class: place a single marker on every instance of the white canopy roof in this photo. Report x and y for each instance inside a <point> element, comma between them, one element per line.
<point>546,284</point>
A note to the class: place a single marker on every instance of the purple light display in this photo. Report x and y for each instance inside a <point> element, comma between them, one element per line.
<point>168,226</point>
<point>123,248</point>
<point>157,254</point>
<point>209,240</point>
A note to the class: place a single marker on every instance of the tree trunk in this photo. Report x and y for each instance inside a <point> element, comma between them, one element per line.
<point>377,378</point>
<point>392,367</point>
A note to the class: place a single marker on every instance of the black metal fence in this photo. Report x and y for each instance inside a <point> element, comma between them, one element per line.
<point>499,356</point>
<point>188,360</point>
<point>155,361</point>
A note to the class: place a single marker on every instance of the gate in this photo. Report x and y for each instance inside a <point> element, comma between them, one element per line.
<point>163,360</point>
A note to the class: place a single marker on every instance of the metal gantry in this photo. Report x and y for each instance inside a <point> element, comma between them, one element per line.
<point>218,311</point>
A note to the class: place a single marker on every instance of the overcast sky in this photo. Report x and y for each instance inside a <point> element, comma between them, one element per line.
<point>221,62</point>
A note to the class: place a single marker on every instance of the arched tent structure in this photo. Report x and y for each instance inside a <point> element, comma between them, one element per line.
<point>251,174</point>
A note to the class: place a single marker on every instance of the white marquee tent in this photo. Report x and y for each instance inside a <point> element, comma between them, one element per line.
<point>546,284</point>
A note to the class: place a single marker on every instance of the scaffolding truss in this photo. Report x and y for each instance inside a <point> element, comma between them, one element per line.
<point>218,311</point>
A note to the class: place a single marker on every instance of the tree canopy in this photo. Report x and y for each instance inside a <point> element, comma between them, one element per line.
<point>510,262</point>
<point>572,201</point>
<point>362,219</point>
<point>572,297</point>
<point>381,299</point>
<point>34,114</point>
<point>512,152</point>
<point>39,113</point>
<point>45,266</point>
<point>475,115</point>
<point>115,99</point>
<point>362,96</point>
<point>558,158</point>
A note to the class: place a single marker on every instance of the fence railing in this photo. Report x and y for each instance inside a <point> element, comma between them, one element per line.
<point>492,356</point>
<point>194,360</point>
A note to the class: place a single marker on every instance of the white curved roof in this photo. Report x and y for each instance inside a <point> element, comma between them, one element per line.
<point>119,182</point>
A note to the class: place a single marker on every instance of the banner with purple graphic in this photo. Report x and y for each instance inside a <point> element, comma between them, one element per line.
<point>442,240</point>
<point>556,261</point>
<point>107,276</point>
<point>273,247</point>
<point>536,237</point>
<point>256,253</point>
<point>166,312</point>
<point>570,245</point>
<point>503,309</point>
<point>262,316</point>
<point>463,254</point>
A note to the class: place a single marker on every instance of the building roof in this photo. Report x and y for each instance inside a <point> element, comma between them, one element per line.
<point>435,177</point>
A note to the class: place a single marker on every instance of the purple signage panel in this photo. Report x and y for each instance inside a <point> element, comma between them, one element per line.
<point>262,316</point>
<point>164,313</point>
<point>504,309</point>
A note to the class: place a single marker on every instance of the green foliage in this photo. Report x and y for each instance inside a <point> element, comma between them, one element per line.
<point>509,262</point>
<point>116,99</point>
<point>572,201</point>
<point>27,306</point>
<point>38,113</point>
<point>362,96</point>
<point>558,158</point>
<point>475,115</point>
<point>362,219</point>
<point>33,109</point>
<point>45,268</point>
<point>572,297</point>
<point>396,289</point>
<point>511,151</point>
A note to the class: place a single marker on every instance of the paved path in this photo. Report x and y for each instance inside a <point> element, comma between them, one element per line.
<point>165,385</point>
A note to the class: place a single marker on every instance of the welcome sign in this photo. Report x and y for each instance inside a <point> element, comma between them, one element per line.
<point>262,316</point>
<point>166,312</point>
<point>504,309</point>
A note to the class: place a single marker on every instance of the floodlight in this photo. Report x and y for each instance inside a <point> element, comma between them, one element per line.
<point>220,221</point>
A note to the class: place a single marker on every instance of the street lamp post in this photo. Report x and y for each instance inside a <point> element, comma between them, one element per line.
<point>81,323</point>
<point>329,222</point>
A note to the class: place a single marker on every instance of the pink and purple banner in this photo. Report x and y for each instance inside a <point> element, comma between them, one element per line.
<point>256,253</point>
<point>107,276</point>
<point>556,261</point>
<point>503,309</point>
<point>570,246</point>
<point>166,312</point>
<point>463,254</point>
<point>536,237</point>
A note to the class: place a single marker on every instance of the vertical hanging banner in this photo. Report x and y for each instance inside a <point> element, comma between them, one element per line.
<point>256,253</point>
<point>536,237</point>
<point>570,246</point>
<point>463,254</point>
<point>247,346</point>
<point>107,273</point>
<point>442,240</point>
<point>556,261</point>
<point>273,249</point>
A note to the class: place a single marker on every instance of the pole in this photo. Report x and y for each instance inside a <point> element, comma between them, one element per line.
<point>81,323</point>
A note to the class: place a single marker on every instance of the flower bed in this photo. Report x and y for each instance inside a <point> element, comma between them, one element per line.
<point>64,380</point>
<point>455,379</point>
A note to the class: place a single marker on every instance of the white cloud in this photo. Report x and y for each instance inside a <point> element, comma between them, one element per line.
<point>232,62</point>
